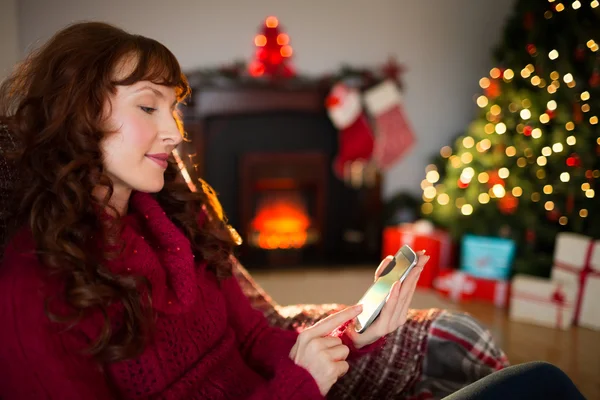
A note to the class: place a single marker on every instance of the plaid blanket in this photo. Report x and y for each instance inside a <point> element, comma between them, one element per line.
<point>435,353</point>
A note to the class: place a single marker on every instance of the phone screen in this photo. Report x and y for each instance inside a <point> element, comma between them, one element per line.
<point>377,293</point>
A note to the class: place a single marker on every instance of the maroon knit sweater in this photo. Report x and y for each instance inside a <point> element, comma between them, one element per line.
<point>208,342</point>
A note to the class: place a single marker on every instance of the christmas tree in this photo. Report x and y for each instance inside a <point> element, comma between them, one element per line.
<point>273,52</point>
<point>528,166</point>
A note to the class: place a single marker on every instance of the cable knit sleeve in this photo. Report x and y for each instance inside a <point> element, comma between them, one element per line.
<point>266,349</point>
<point>36,360</point>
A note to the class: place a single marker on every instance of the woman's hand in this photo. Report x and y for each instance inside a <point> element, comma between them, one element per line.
<point>324,356</point>
<point>393,314</point>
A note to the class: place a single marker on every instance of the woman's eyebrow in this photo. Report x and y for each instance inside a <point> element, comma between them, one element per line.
<point>157,92</point>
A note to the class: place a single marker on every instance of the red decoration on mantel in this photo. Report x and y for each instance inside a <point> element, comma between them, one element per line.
<point>273,52</point>
<point>392,70</point>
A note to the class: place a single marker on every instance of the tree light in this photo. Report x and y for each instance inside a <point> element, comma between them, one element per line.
<point>517,191</point>
<point>544,118</point>
<point>483,177</point>
<point>585,108</point>
<point>536,133</point>
<point>540,173</point>
<point>541,161</point>
<point>484,198</point>
<point>429,192</point>
<point>571,140</point>
<point>585,96</point>
<point>547,151</point>
<point>433,176</point>
<point>511,151</point>
<point>525,114</point>
<point>495,110</point>
<point>535,197</point>
<point>557,147</point>
<point>446,151</point>
<point>536,80</point>
<point>500,128</point>
<point>589,193</point>
<point>568,78</point>
<point>482,101</point>
<point>503,172</point>
<point>551,105</point>
<point>495,73</point>
<point>593,120</point>
<point>585,186</point>
<point>548,189</point>
<point>525,73</point>
<point>443,199</point>
<point>554,75</point>
<point>467,174</point>
<point>569,126</point>
<point>484,83</point>
<point>576,5</point>
<point>553,55</point>
<point>563,220</point>
<point>466,158</point>
<point>549,206</point>
<point>594,4</point>
<point>583,213</point>
<point>508,75</point>
<point>565,177</point>
<point>467,209</point>
<point>468,142</point>
<point>498,190</point>
<point>427,208</point>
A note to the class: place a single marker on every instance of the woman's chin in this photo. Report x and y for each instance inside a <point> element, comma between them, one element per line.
<point>151,187</point>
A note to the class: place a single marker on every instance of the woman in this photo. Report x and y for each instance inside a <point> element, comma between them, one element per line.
<point>117,281</point>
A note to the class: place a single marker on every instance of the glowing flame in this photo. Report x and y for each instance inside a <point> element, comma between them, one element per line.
<point>281,222</point>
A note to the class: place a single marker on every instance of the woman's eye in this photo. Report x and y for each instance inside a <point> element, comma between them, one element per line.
<point>147,110</point>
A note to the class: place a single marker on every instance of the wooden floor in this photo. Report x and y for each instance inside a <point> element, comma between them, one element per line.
<point>576,351</point>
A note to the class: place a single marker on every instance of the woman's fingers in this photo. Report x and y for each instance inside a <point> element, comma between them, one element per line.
<point>338,353</point>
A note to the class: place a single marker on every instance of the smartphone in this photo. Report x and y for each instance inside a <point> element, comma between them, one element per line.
<point>374,298</point>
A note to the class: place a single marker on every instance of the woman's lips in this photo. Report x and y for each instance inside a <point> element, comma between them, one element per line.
<point>159,160</point>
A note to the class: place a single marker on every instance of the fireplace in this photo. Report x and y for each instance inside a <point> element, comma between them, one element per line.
<point>268,155</point>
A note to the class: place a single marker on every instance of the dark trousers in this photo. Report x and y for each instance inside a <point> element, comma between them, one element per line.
<point>534,380</point>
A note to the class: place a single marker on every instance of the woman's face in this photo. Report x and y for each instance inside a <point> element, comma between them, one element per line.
<point>143,132</point>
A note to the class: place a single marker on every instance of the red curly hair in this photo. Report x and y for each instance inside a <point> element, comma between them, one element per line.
<point>53,104</point>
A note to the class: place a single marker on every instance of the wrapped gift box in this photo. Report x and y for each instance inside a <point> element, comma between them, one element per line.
<point>456,285</point>
<point>542,301</point>
<point>577,261</point>
<point>459,286</point>
<point>420,236</point>
<point>487,257</point>
<point>494,291</point>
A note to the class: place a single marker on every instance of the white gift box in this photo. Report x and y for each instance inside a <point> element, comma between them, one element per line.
<point>577,261</point>
<point>542,302</point>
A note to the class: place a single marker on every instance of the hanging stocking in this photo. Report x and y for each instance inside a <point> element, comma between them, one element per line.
<point>355,137</point>
<point>394,135</point>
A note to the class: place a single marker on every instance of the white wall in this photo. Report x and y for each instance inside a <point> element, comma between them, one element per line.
<point>445,44</point>
<point>9,37</point>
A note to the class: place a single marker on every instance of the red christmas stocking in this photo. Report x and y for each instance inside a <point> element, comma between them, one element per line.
<point>395,136</point>
<point>355,136</point>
